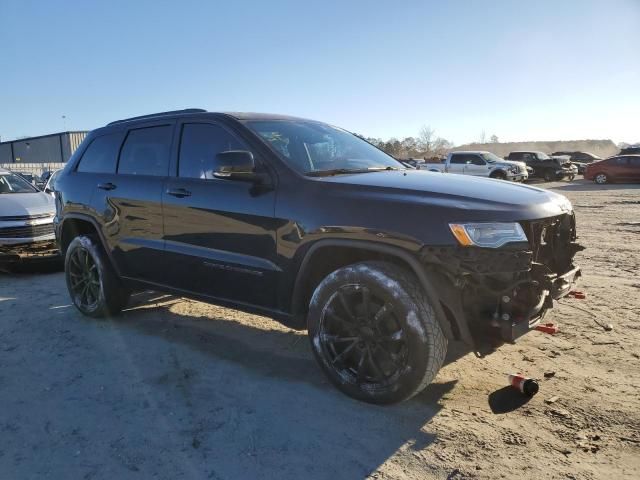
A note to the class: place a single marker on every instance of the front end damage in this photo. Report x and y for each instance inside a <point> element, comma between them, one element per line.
<point>500,294</point>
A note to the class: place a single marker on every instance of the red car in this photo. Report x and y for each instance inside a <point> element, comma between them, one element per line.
<point>621,168</point>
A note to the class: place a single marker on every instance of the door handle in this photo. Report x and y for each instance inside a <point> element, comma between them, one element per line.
<point>179,192</point>
<point>106,186</point>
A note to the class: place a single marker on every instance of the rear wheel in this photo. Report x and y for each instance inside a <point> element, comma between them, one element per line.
<point>93,286</point>
<point>549,177</point>
<point>374,332</point>
<point>601,178</point>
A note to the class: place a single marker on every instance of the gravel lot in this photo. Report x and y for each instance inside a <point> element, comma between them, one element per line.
<point>179,389</point>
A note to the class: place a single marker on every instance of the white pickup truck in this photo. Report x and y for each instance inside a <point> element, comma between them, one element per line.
<point>482,164</point>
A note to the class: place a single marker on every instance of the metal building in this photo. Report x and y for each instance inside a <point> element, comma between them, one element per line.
<point>52,148</point>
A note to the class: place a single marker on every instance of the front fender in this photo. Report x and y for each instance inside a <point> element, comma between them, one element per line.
<point>406,257</point>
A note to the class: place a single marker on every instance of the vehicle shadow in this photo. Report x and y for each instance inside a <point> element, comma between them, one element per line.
<point>243,398</point>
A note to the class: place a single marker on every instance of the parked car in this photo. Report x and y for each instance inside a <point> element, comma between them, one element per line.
<point>579,159</point>
<point>481,164</point>
<point>44,178</point>
<point>630,150</point>
<point>29,177</point>
<point>545,166</point>
<point>26,222</point>
<point>50,186</point>
<point>621,168</point>
<point>315,227</point>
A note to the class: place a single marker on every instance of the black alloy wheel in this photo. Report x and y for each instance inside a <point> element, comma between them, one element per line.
<point>84,280</point>
<point>93,285</point>
<point>375,333</point>
<point>361,337</point>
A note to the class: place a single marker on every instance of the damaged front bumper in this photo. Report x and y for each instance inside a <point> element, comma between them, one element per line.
<point>504,293</point>
<point>39,250</point>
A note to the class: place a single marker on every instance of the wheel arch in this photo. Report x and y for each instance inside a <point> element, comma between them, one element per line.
<point>327,255</point>
<point>76,224</point>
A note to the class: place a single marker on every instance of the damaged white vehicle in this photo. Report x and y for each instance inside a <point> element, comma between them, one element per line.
<point>26,222</point>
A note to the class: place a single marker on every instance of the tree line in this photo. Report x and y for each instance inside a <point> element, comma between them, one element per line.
<point>426,145</point>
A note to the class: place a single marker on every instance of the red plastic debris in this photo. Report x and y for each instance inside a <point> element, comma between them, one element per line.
<point>577,294</point>
<point>526,386</point>
<point>548,328</point>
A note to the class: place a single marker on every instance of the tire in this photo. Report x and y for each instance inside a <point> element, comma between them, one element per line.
<point>549,177</point>
<point>94,287</point>
<point>601,178</point>
<point>382,354</point>
<point>571,178</point>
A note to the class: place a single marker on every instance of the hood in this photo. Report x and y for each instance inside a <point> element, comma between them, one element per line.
<point>18,204</point>
<point>476,198</point>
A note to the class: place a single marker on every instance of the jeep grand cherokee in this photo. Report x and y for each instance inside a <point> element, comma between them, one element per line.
<point>309,224</point>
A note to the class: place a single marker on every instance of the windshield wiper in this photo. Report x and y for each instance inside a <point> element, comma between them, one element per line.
<point>342,171</point>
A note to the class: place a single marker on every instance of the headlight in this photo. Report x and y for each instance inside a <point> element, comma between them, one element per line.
<point>488,235</point>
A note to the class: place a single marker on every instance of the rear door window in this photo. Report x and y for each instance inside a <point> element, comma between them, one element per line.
<point>101,155</point>
<point>458,159</point>
<point>146,151</point>
<point>199,146</point>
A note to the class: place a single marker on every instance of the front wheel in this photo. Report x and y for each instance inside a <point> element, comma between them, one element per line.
<point>601,178</point>
<point>93,286</point>
<point>374,332</point>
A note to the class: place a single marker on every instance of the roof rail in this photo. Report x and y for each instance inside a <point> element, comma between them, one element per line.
<point>160,114</point>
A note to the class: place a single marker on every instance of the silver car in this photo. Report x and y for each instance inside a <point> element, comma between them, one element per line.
<point>26,221</point>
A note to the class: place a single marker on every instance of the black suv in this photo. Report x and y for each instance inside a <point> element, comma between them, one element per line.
<point>315,227</point>
<point>546,167</point>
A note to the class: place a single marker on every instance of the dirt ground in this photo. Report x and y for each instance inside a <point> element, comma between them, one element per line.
<point>180,389</point>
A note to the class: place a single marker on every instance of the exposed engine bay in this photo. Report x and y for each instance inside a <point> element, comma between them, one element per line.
<point>503,293</point>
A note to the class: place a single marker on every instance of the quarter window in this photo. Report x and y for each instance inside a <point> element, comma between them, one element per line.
<point>101,155</point>
<point>146,151</point>
<point>199,146</point>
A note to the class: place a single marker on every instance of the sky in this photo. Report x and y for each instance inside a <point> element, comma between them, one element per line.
<point>522,70</point>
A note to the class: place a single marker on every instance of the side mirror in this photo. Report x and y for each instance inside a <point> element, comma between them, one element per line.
<point>236,165</point>
<point>48,190</point>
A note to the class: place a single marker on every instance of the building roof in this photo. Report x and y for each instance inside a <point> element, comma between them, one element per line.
<point>43,136</point>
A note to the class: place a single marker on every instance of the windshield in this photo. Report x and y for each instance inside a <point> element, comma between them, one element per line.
<point>310,147</point>
<point>12,183</point>
<point>491,158</point>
